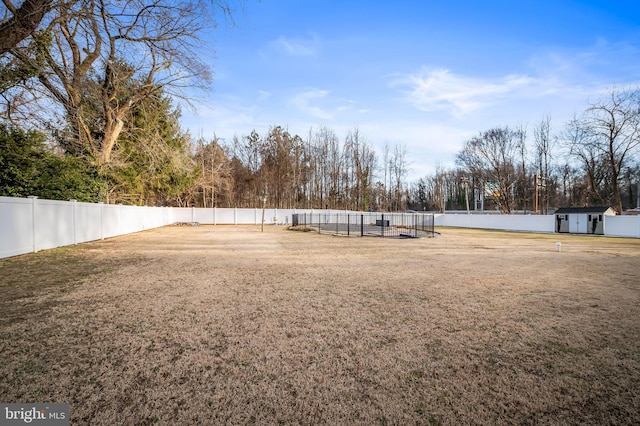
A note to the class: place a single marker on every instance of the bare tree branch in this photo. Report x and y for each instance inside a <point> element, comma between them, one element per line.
<point>23,23</point>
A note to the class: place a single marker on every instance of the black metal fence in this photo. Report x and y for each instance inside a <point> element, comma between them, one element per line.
<point>389,225</point>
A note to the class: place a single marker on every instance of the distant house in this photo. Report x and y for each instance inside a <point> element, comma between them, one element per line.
<point>582,220</point>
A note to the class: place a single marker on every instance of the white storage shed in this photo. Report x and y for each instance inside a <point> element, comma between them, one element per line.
<point>582,220</point>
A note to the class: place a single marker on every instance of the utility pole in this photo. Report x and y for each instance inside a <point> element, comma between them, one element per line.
<point>264,203</point>
<point>539,182</point>
<point>465,181</point>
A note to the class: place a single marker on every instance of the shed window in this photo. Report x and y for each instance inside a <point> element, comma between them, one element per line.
<point>600,218</point>
<point>566,217</point>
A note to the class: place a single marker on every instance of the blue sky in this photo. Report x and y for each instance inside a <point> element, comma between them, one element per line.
<point>424,74</point>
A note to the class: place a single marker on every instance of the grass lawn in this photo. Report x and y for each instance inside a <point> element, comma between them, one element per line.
<point>230,325</point>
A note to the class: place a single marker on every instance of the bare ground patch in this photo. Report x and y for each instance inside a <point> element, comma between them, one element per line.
<point>230,325</point>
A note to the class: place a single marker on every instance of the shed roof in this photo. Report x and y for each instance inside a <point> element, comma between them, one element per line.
<point>593,209</point>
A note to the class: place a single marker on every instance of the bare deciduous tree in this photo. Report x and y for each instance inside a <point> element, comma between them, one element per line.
<point>492,157</point>
<point>543,145</point>
<point>105,57</point>
<point>363,161</point>
<point>399,168</point>
<point>610,131</point>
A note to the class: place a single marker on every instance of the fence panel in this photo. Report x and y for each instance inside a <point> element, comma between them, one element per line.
<point>225,216</point>
<point>53,224</point>
<point>284,216</point>
<point>110,220</point>
<point>622,226</point>
<point>88,222</point>
<point>131,219</point>
<point>16,226</point>
<point>155,217</point>
<point>182,214</point>
<point>251,216</point>
<point>204,216</point>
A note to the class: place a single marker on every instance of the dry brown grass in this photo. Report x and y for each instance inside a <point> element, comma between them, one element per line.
<point>225,324</point>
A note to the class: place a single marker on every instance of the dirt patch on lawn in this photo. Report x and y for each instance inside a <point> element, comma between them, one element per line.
<point>227,324</point>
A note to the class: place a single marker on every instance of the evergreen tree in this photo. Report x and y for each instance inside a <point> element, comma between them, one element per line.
<point>29,167</point>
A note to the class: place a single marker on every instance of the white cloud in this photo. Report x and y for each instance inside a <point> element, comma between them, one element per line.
<point>297,46</point>
<point>263,95</point>
<point>440,89</point>
<point>318,104</point>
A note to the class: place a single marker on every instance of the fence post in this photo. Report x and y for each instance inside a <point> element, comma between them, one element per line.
<point>119,219</point>
<point>74,203</point>
<point>362,225</point>
<point>382,227</point>
<point>101,220</point>
<point>33,221</point>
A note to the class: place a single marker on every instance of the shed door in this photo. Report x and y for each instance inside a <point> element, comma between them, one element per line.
<point>573,223</point>
<point>578,223</point>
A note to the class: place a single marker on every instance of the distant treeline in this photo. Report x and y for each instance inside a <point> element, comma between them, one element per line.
<point>500,168</point>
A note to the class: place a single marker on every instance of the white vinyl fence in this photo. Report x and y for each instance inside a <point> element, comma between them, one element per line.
<point>622,226</point>
<point>33,224</point>
<point>530,223</point>
<point>615,226</point>
<point>232,216</point>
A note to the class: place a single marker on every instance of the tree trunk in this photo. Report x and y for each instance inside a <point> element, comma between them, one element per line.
<point>111,134</point>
